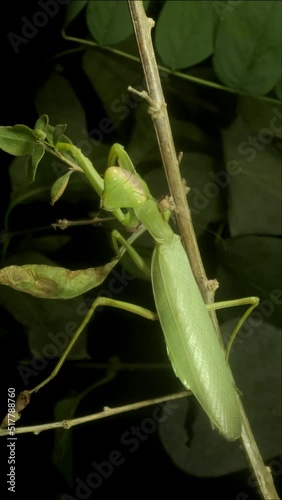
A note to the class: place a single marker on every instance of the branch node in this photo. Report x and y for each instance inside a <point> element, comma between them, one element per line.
<point>156,109</point>
<point>212,285</point>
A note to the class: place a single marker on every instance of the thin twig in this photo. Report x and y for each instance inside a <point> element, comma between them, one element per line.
<point>95,221</point>
<point>107,412</point>
<point>164,69</point>
<point>158,111</point>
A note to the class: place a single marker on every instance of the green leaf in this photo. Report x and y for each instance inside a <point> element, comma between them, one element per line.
<point>50,134</point>
<point>59,187</point>
<point>33,161</point>
<point>49,323</point>
<point>25,192</point>
<point>53,282</point>
<point>109,22</point>
<point>59,133</point>
<point>184,33</point>
<point>42,123</point>
<point>55,134</point>
<point>73,9</point>
<point>18,140</point>
<point>248,47</point>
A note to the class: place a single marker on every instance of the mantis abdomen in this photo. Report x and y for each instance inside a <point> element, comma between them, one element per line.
<point>193,347</point>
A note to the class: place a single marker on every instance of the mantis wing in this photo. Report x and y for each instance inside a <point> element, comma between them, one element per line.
<point>192,344</point>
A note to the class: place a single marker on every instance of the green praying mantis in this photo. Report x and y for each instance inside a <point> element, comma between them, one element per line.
<point>195,352</point>
<point>193,348</point>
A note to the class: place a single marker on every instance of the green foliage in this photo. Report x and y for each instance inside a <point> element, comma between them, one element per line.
<point>33,161</point>
<point>181,26</point>
<point>109,23</point>
<point>59,187</point>
<point>248,47</point>
<point>53,282</point>
<point>43,320</point>
<point>18,140</point>
<point>74,7</point>
<point>244,38</point>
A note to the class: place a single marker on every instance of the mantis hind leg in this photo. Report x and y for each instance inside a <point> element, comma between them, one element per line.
<point>252,301</point>
<point>99,302</point>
